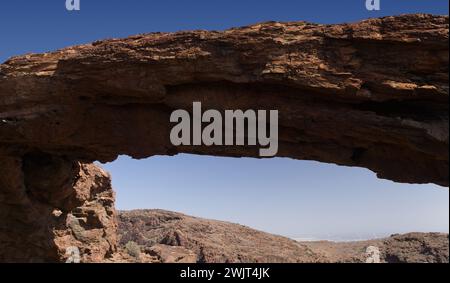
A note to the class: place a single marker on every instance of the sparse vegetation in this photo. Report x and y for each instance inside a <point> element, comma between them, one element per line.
<point>133,249</point>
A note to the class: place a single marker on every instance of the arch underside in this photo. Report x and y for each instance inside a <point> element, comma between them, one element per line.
<point>373,94</point>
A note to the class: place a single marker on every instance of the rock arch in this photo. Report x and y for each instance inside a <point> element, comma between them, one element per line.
<point>372,94</point>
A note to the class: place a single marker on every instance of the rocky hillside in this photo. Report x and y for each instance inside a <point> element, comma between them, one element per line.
<point>174,237</point>
<point>407,248</point>
<point>194,239</point>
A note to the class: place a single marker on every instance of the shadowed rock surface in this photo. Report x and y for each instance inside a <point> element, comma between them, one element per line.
<point>161,233</point>
<point>50,205</point>
<point>372,94</point>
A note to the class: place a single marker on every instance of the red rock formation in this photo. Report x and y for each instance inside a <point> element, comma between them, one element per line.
<point>49,205</point>
<point>205,240</point>
<point>372,94</point>
<point>171,236</point>
<point>416,247</point>
<point>406,248</point>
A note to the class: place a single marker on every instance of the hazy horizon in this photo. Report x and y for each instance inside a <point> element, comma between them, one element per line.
<point>292,198</point>
<point>282,196</point>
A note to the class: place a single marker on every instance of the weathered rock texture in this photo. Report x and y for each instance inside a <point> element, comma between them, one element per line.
<point>49,205</point>
<point>406,248</point>
<point>159,231</point>
<point>174,237</point>
<point>372,94</point>
<point>417,247</point>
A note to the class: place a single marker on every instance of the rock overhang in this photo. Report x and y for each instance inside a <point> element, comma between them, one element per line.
<point>372,94</point>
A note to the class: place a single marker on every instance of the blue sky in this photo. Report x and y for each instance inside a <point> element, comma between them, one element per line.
<point>283,196</point>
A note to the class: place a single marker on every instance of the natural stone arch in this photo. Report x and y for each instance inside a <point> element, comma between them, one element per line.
<point>372,94</point>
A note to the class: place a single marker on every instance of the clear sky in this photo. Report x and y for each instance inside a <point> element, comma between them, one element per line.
<point>283,196</point>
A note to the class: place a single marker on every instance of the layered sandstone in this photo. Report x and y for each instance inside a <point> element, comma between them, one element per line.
<point>372,94</point>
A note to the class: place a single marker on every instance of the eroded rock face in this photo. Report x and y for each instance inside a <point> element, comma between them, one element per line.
<point>406,248</point>
<point>417,247</point>
<point>172,236</point>
<point>172,254</point>
<point>52,207</point>
<point>372,94</point>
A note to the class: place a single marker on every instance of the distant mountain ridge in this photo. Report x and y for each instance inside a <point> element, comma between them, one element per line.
<point>174,237</point>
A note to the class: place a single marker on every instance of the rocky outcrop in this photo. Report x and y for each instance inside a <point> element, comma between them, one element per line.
<point>372,94</point>
<point>156,231</point>
<point>174,237</point>
<point>172,254</point>
<point>55,210</point>
<point>406,248</point>
<point>417,247</point>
